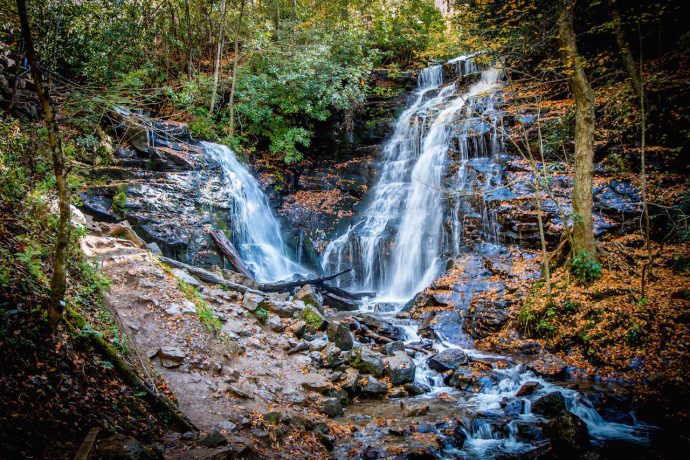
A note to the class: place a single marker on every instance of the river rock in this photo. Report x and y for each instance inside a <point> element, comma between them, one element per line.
<point>366,361</point>
<point>550,405</point>
<point>368,385</point>
<point>310,296</point>
<point>275,323</point>
<point>568,435</point>
<point>528,388</point>
<point>415,410</point>
<point>331,407</point>
<point>449,359</point>
<point>339,303</point>
<point>401,368</point>
<point>392,347</point>
<point>318,344</point>
<point>415,389</point>
<point>339,334</point>
<point>331,356</point>
<point>171,356</point>
<point>547,365</point>
<point>313,318</point>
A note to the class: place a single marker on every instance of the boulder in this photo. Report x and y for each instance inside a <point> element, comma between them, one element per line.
<point>550,405</point>
<point>171,356</point>
<point>415,389</point>
<point>310,296</point>
<point>415,410</point>
<point>331,407</point>
<point>315,382</point>
<point>124,230</point>
<point>313,318</point>
<point>251,302</point>
<point>339,334</point>
<point>401,368</point>
<point>447,360</point>
<point>366,361</point>
<point>331,356</point>
<point>547,365</point>
<point>391,347</point>
<point>275,323</point>
<point>568,435</point>
<point>184,276</point>
<point>120,447</point>
<point>528,388</point>
<point>282,308</point>
<point>214,439</point>
<point>339,303</point>
<point>368,385</point>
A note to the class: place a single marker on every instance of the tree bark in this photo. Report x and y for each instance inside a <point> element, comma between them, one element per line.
<point>219,52</point>
<point>58,281</point>
<point>626,55</point>
<point>235,63</point>
<point>583,234</point>
<point>190,64</point>
<point>229,251</point>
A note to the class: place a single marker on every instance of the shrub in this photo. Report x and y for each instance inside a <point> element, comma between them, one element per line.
<point>584,268</point>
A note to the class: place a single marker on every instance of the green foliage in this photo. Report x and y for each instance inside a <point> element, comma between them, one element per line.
<point>119,205</point>
<point>204,312</point>
<point>584,268</point>
<point>261,314</point>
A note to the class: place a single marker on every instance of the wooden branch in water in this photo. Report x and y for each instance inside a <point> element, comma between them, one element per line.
<point>230,252</point>
<point>206,276</point>
<point>380,338</point>
<point>287,285</point>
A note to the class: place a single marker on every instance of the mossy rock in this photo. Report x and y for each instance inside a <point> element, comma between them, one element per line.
<point>313,318</point>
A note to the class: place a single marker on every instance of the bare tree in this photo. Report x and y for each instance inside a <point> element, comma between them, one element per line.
<point>219,53</point>
<point>583,234</point>
<point>238,33</point>
<point>189,39</point>
<point>58,281</point>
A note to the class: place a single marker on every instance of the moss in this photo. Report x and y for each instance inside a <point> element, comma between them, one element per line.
<point>203,310</point>
<point>312,317</point>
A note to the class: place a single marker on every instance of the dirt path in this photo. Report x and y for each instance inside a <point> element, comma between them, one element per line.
<point>227,383</point>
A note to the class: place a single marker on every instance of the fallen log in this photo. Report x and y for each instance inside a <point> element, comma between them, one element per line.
<point>380,338</point>
<point>84,451</point>
<point>208,277</point>
<point>288,285</point>
<point>346,294</point>
<point>230,252</point>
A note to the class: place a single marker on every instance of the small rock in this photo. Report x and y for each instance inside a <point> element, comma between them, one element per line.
<point>275,324</point>
<point>568,435</point>
<point>528,388</point>
<point>315,382</point>
<point>226,425</point>
<point>369,386</point>
<point>391,347</point>
<point>214,439</point>
<point>331,407</point>
<point>120,447</point>
<point>302,346</point>
<point>415,410</point>
<point>547,365</point>
<point>171,356</point>
<point>154,248</point>
<point>251,302</point>
<point>415,389</point>
<point>298,328</point>
<point>318,344</point>
<point>188,436</point>
<point>449,359</point>
<point>182,275</point>
<point>331,356</point>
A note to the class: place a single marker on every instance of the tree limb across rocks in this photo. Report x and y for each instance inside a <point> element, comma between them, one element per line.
<point>206,276</point>
<point>287,285</point>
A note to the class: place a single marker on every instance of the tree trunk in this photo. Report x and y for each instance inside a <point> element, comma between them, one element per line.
<point>626,55</point>
<point>229,251</point>
<point>58,281</point>
<point>235,63</point>
<point>189,39</point>
<point>583,234</point>
<point>219,52</point>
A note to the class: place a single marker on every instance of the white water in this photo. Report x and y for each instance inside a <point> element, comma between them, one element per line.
<point>400,244</point>
<point>255,230</point>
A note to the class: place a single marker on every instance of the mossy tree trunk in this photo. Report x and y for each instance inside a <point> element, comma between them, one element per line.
<point>58,281</point>
<point>583,234</point>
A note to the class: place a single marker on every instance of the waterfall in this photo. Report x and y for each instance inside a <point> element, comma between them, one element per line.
<point>255,230</point>
<point>400,242</point>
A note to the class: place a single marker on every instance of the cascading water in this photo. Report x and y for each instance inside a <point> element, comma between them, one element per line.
<point>255,230</point>
<point>398,246</point>
<point>439,172</point>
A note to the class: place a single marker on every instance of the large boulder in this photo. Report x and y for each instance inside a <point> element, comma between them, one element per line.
<point>401,368</point>
<point>339,334</point>
<point>366,361</point>
<point>120,447</point>
<point>550,405</point>
<point>447,360</point>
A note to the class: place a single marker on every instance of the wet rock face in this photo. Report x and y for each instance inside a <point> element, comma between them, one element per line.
<point>447,360</point>
<point>401,368</point>
<point>366,361</point>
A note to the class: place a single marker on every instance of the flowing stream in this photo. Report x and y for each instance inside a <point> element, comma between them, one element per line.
<point>255,229</point>
<point>438,171</point>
